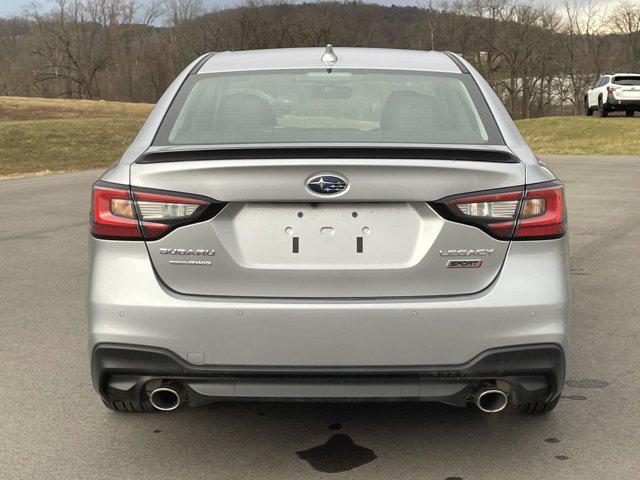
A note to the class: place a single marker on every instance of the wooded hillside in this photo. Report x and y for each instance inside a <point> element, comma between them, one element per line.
<point>539,60</point>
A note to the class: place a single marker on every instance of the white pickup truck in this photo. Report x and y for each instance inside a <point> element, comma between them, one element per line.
<point>614,93</point>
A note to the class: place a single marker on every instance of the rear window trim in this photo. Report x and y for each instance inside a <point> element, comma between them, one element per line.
<point>495,138</point>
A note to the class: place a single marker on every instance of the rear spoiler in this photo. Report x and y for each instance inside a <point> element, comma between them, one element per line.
<point>411,153</point>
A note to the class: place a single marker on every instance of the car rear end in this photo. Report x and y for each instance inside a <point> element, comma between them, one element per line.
<point>623,93</point>
<point>378,239</point>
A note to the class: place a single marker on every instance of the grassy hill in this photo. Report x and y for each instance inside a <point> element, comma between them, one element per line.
<point>617,135</point>
<point>51,135</point>
<point>27,108</point>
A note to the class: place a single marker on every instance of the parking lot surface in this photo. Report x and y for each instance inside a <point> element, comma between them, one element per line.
<point>54,425</point>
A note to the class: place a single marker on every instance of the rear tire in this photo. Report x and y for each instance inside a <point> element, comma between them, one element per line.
<point>602,109</point>
<point>537,408</point>
<point>587,109</point>
<point>630,113</point>
<point>129,407</point>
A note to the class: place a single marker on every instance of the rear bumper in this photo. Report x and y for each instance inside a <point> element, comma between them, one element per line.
<point>526,306</point>
<point>534,372</point>
<point>615,104</point>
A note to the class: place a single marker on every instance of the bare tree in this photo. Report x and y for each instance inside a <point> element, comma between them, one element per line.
<point>538,61</point>
<point>178,11</point>
<point>583,27</point>
<point>625,21</point>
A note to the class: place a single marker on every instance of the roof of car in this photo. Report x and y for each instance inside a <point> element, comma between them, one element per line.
<point>348,58</point>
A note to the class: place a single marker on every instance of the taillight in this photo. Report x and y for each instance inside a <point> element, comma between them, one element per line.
<point>113,213</point>
<point>543,213</point>
<point>538,212</point>
<point>119,213</point>
<point>160,212</point>
<point>495,212</point>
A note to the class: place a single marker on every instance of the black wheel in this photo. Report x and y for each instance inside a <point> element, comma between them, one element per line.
<point>129,407</point>
<point>587,109</point>
<point>537,408</point>
<point>601,108</point>
<point>630,113</point>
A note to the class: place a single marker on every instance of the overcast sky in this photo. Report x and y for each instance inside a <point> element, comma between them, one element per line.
<point>14,7</point>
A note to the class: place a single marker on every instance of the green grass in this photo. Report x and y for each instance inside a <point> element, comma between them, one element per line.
<point>582,135</point>
<point>32,146</point>
<point>33,108</point>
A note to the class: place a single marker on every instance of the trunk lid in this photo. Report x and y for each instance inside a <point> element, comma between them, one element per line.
<point>275,238</point>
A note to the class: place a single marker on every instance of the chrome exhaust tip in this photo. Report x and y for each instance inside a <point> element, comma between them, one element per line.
<point>165,399</point>
<point>491,400</point>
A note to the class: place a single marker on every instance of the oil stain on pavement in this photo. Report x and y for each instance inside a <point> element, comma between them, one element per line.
<point>574,397</point>
<point>338,454</point>
<point>587,383</point>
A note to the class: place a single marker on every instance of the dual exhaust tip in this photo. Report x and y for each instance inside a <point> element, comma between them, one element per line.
<point>488,399</point>
<point>491,400</point>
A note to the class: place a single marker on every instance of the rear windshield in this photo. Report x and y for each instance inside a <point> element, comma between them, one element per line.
<point>626,80</point>
<point>328,108</point>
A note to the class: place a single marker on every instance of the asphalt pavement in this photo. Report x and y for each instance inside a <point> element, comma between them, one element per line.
<point>53,425</point>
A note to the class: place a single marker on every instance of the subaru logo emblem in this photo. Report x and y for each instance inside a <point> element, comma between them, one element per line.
<point>327,184</point>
